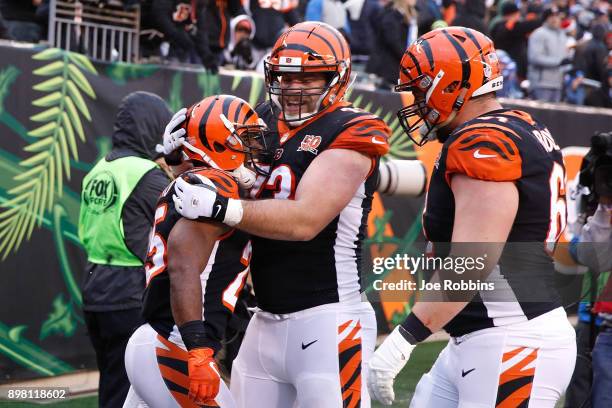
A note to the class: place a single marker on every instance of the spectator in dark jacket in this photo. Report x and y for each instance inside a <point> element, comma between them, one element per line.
<point>362,32</point>
<point>219,13</point>
<point>118,203</point>
<point>591,56</point>
<point>471,14</point>
<point>396,27</point>
<point>185,29</point>
<point>21,20</point>
<point>428,13</point>
<point>269,23</point>
<point>510,34</point>
<point>239,52</point>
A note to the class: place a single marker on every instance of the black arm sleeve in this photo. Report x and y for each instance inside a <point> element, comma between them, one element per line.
<point>139,211</point>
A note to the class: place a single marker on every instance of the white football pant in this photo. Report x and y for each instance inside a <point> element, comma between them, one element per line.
<point>527,364</point>
<point>314,358</point>
<point>157,369</point>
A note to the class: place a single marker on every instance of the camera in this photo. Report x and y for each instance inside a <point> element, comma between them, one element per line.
<point>402,177</point>
<point>595,180</point>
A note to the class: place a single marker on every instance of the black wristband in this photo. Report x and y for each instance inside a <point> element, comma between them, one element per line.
<point>413,330</point>
<point>220,208</point>
<point>194,335</point>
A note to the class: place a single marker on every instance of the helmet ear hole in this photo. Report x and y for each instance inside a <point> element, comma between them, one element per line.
<point>219,148</point>
<point>451,87</point>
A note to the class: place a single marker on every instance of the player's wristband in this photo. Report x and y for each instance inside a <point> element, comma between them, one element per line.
<point>233,213</point>
<point>413,330</point>
<point>194,335</point>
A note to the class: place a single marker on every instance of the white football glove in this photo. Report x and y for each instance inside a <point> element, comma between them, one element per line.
<point>173,140</point>
<point>201,202</point>
<point>386,362</point>
<point>245,177</point>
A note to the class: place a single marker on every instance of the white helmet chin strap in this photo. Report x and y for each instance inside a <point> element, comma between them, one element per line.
<point>205,158</point>
<point>431,132</point>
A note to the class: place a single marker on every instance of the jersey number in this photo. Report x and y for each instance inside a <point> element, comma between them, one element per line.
<point>281,181</point>
<point>232,292</point>
<point>558,207</point>
<point>157,255</point>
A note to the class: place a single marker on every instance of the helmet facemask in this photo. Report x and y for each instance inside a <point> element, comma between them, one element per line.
<point>336,81</point>
<point>246,140</point>
<point>431,118</point>
<point>427,118</point>
<point>250,140</point>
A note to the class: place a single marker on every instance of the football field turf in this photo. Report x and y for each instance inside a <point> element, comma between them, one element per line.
<point>420,361</point>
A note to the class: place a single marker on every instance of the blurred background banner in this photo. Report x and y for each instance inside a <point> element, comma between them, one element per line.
<point>56,119</point>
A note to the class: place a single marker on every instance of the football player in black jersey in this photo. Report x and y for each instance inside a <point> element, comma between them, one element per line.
<point>195,270</point>
<point>499,179</point>
<point>309,343</point>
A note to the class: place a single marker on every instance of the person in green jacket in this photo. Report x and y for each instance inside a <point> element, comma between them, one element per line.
<point>118,201</point>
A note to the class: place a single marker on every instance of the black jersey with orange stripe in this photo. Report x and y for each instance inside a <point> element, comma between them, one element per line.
<point>505,145</point>
<point>223,277</point>
<point>290,276</point>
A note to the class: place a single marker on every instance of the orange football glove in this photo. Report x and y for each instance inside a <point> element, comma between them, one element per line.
<point>203,375</point>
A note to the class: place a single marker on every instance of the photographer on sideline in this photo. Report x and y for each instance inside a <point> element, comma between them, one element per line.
<point>592,247</point>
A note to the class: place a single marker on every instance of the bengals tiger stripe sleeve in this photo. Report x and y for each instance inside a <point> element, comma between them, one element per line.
<point>366,134</point>
<point>484,153</point>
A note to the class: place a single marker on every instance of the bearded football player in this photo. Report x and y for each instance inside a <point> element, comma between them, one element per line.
<point>310,341</point>
<point>195,270</point>
<point>499,180</point>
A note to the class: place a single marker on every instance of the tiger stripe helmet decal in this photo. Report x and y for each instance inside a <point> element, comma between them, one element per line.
<point>310,47</point>
<point>445,68</point>
<point>220,131</point>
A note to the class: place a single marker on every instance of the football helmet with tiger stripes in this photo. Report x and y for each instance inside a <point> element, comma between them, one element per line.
<point>309,47</point>
<point>222,131</point>
<point>444,69</point>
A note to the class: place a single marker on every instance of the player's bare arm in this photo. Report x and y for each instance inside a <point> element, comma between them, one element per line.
<point>186,264</point>
<point>484,213</point>
<point>326,188</point>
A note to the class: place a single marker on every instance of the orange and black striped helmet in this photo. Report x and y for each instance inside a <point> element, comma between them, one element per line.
<point>445,68</point>
<point>309,47</point>
<point>222,131</point>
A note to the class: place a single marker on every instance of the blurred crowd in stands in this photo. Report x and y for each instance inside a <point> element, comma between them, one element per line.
<point>550,50</point>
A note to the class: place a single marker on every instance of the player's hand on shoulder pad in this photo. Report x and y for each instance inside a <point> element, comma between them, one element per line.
<point>384,365</point>
<point>197,198</point>
<point>173,137</point>
<point>204,378</point>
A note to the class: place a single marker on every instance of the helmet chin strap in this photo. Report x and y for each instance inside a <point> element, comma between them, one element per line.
<point>205,158</point>
<point>430,132</point>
